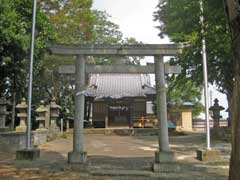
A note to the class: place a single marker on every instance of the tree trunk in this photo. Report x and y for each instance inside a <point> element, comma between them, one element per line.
<point>233,14</point>
<point>234,173</point>
<point>13,110</point>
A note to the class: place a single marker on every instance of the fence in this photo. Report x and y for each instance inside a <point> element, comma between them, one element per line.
<point>199,124</point>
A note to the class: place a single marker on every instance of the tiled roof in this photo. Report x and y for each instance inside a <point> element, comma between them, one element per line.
<point>117,86</point>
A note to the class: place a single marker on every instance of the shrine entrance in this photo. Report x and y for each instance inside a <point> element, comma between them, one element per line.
<point>118,115</point>
<point>78,155</point>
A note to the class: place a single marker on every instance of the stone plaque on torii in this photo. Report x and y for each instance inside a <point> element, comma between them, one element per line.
<point>78,155</point>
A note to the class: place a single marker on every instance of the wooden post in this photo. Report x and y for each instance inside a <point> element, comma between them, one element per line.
<point>106,117</point>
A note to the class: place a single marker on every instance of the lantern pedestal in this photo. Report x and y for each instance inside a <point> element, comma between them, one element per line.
<point>22,127</point>
<point>54,130</point>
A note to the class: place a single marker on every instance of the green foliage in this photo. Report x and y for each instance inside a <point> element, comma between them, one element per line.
<point>64,21</point>
<point>182,90</point>
<point>72,20</point>
<point>180,21</point>
<point>106,32</point>
<point>15,33</point>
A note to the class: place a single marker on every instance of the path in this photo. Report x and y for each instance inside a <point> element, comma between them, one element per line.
<point>133,154</point>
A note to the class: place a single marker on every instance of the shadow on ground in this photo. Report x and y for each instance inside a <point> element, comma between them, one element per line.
<point>52,164</point>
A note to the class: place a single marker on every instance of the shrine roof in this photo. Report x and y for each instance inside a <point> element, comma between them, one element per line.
<point>117,86</point>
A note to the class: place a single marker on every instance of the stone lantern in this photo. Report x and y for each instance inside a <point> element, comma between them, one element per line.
<point>54,114</point>
<point>22,108</point>
<point>216,113</point>
<point>3,113</point>
<point>41,111</point>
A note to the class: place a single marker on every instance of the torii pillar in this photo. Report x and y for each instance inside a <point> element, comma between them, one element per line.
<point>163,155</point>
<point>78,155</point>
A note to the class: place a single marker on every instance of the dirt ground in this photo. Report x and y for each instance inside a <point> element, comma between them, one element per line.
<point>116,157</point>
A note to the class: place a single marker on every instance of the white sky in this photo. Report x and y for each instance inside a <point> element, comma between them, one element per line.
<point>135,18</point>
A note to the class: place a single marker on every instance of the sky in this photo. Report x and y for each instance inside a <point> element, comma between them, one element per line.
<point>135,18</point>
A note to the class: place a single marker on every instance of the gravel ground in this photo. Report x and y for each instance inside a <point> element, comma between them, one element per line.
<point>116,157</point>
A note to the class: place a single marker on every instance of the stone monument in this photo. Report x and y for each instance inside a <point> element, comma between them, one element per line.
<point>211,154</point>
<point>22,108</point>
<point>216,113</point>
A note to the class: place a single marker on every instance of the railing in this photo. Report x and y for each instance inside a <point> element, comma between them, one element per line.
<point>199,124</point>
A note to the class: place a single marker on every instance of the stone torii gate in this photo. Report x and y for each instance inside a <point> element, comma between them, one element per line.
<point>78,155</point>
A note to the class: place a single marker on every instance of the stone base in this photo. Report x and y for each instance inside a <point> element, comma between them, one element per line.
<point>164,157</point>
<point>40,137</point>
<point>16,140</point>
<point>77,157</point>
<point>53,127</point>
<point>208,155</point>
<point>166,167</point>
<point>165,162</point>
<point>28,154</point>
<point>21,128</point>
<point>77,167</point>
<point>53,133</point>
<point>41,130</point>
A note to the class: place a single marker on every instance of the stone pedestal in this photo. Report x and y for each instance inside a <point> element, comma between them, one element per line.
<point>77,157</point>
<point>40,137</point>
<point>208,155</point>
<point>22,108</point>
<point>164,157</point>
<point>28,154</point>
<point>22,126</point>
<point>165,162</point>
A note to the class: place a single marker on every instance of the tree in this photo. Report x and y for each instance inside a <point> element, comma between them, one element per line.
<point>72,20</point>
<point>180,21</point>
<point>104,32</point>
<point>233,15</point>
<point>182,90</point>
<point>15,31</point>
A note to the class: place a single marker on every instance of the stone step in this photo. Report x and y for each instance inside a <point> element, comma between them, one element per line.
<point>118,172</point>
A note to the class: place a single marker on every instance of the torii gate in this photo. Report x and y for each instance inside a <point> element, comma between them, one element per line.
<point>78,155</point>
